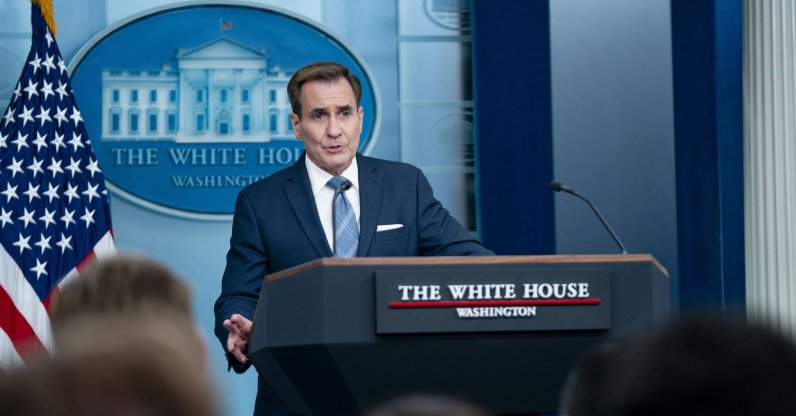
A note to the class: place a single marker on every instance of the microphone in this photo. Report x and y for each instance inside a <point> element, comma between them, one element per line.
<point>560,187</point>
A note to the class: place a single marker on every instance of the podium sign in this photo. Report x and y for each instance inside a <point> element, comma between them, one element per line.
<point>492,300</point>
<point>338,336</point>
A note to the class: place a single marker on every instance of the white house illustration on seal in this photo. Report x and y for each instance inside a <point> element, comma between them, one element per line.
<point>222,91</point>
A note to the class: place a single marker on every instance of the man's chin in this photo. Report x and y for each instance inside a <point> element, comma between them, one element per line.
<point>341,159</point>
<point>338,164</point>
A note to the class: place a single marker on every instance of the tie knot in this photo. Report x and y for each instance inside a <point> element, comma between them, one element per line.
<point>339,183</point>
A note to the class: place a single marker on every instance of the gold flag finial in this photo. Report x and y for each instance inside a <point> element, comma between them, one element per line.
<point>46,7</point>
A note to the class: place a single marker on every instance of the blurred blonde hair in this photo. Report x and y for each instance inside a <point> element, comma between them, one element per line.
<point>137,367</point>
<point>125,291</point>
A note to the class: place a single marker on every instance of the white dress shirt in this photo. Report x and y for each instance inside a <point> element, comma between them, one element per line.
<point>324,194</point>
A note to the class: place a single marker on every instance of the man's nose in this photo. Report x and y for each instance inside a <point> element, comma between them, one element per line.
<point>333,129</point>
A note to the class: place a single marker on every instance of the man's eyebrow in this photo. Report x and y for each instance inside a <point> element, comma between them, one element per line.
<point>325,110</point>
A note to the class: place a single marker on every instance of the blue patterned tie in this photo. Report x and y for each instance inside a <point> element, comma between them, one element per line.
<point>346,235</point>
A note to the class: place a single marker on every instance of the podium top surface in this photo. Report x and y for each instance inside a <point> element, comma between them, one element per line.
<point>468,260</point>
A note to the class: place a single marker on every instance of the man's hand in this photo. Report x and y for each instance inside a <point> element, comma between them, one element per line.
<point>240,329</point>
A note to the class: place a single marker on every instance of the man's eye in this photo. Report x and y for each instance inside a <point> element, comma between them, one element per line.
<point>346,114</point>
<point>318,116</point>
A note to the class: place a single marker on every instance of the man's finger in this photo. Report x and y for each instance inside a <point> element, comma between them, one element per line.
<point>240,356</point>
<point>231,343</point>
<point>243,324</point>
<point>246,325</point>
<point>240,320</point>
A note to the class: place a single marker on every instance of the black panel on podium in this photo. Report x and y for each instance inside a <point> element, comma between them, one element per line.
<point>337,336</point>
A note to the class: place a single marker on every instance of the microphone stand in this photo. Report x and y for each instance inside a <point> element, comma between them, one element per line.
<point>558,187</point>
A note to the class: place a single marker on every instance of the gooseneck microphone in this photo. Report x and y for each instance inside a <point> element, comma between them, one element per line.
<point>560,187</point>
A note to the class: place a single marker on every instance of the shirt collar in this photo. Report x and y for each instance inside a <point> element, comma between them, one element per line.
<point>319,177</point>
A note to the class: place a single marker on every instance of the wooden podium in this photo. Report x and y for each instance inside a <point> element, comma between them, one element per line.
<point>338,336</point>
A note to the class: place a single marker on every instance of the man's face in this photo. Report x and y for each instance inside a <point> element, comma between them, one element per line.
<point>330,124</point>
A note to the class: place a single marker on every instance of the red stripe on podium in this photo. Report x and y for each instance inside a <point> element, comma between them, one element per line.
<point>469,303</point>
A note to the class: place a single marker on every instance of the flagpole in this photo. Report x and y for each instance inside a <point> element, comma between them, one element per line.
<point>48,13</point>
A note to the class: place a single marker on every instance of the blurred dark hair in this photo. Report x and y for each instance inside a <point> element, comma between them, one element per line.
<point>710,365</point>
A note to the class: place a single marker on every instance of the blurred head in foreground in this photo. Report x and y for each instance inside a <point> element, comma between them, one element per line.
<point>426,405</point>
<point>705,365</point>
<point>589,387</point>
<point>136,368</point>
<point>125,344</point>
<point>126,290</point>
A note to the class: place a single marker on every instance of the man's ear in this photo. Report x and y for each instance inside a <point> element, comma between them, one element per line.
<point>294,120</point>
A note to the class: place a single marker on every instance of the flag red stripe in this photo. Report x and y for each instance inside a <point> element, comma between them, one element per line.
<point>50,297</point>
<point>90,257</point>
<point>18,330</point>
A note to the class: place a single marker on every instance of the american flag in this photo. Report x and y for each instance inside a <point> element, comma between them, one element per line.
<point>54,215</point>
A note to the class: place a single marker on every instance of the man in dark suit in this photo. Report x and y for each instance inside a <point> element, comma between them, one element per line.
<point>332,201</point>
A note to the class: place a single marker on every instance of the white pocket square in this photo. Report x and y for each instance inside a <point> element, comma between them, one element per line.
<point>387,227</point>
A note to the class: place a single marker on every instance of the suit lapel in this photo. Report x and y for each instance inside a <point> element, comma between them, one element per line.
<point>299,194</point>
<point>370,192</point>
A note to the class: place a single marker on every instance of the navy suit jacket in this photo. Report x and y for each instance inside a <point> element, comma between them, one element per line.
<point>276,226</point>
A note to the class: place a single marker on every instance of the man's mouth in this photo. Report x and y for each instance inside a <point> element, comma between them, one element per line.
<point>335,148</point>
